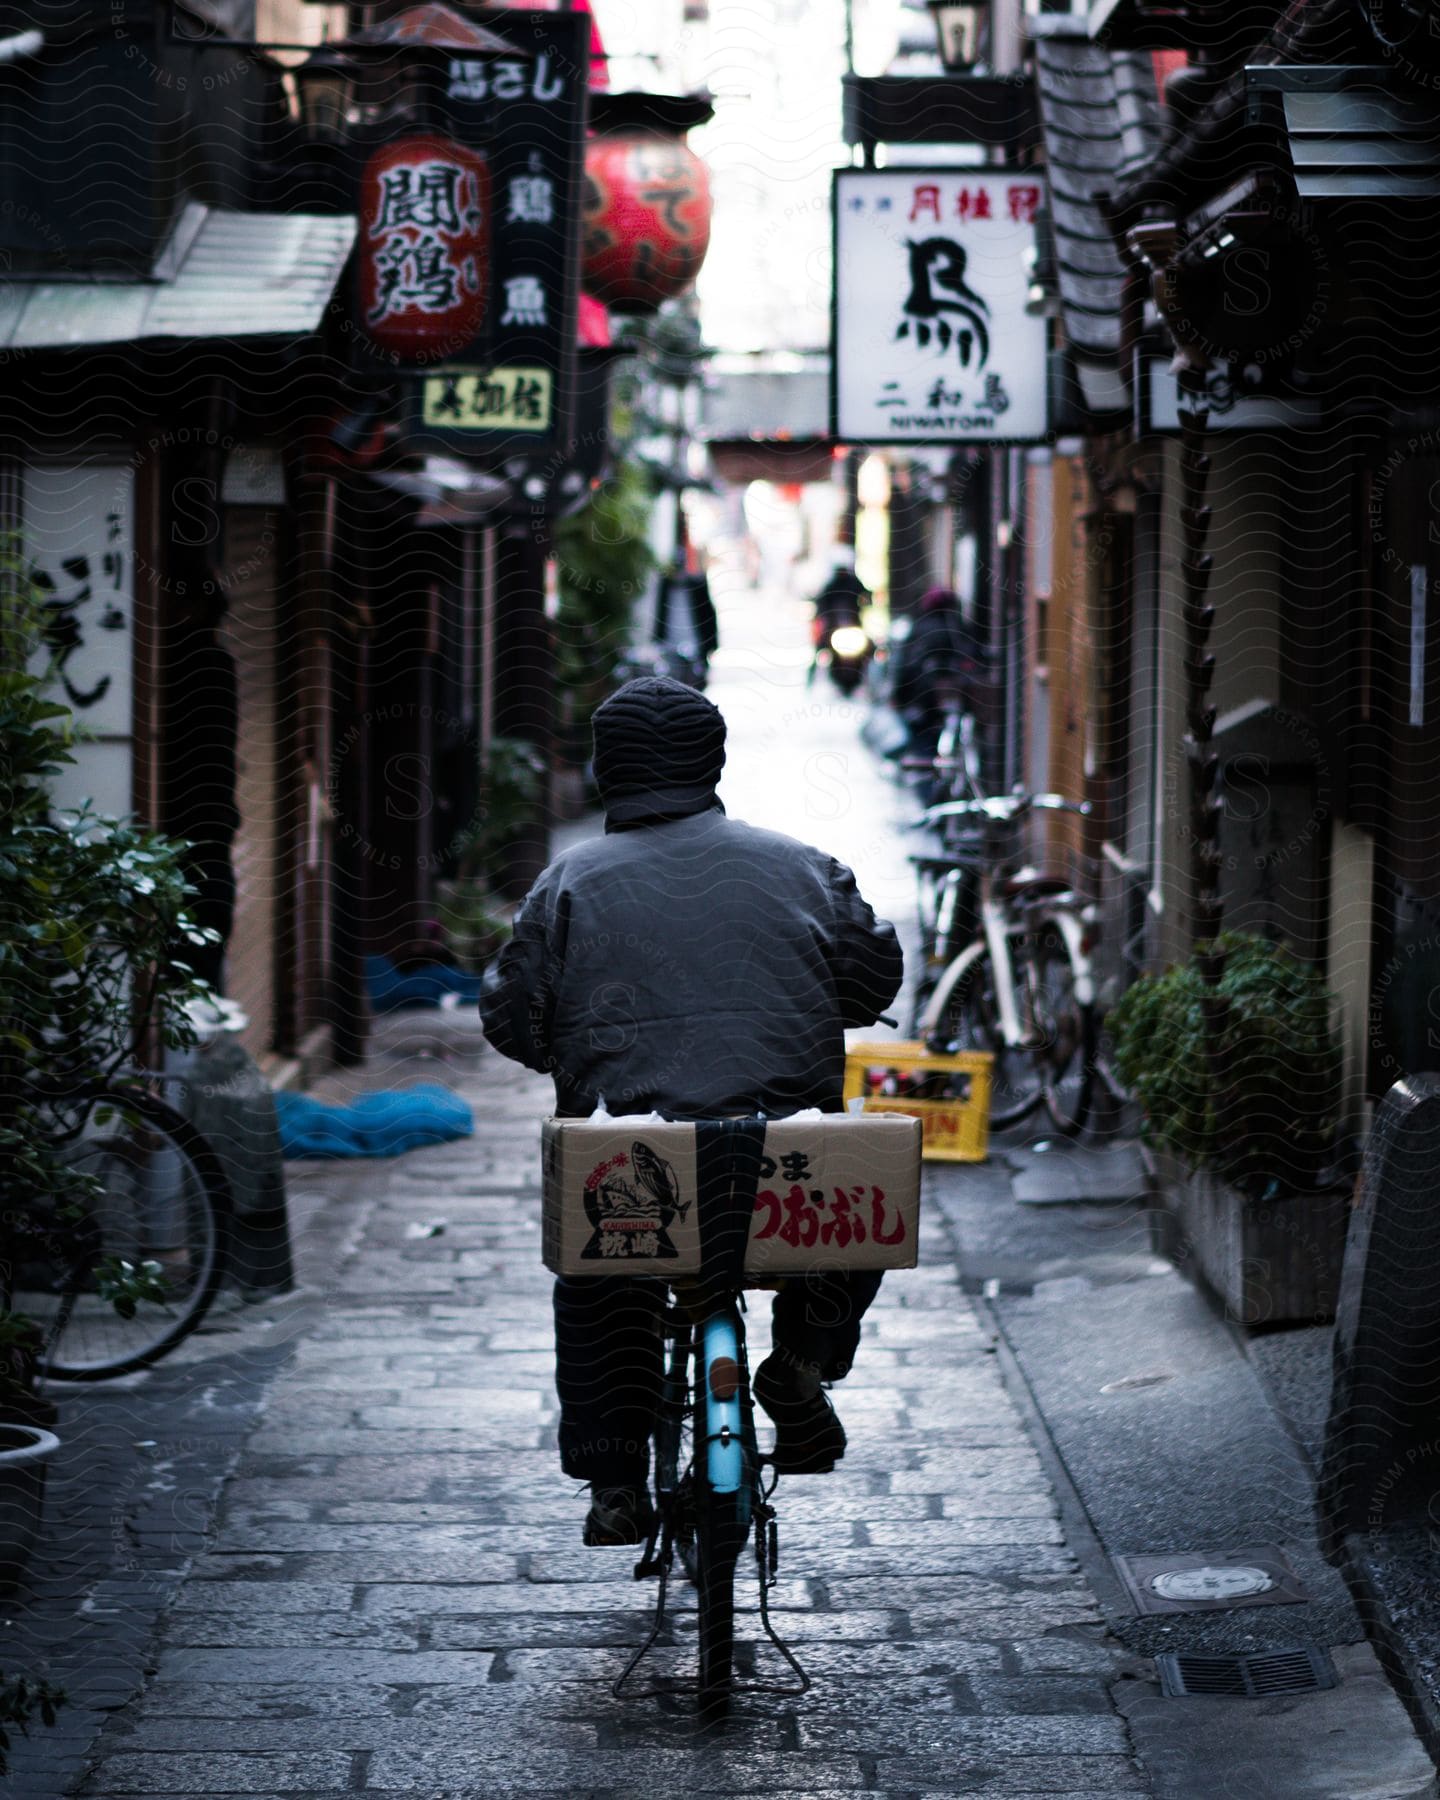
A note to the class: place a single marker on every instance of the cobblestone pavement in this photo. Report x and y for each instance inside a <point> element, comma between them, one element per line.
<point>394,1599</point>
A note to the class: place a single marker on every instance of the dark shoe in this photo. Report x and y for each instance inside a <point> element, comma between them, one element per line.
<point>619,1516</point>
<point>809,1438</point>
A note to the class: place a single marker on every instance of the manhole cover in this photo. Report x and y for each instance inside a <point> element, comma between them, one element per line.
<point>1208,1581</point>
<point>1266,1672</point>
<point>1126,1382</point>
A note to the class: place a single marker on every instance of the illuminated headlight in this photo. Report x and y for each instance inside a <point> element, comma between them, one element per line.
<point>848,640</point>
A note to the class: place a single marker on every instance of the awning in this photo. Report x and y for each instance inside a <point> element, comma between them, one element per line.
<point>222,275</point>
<point>801,460</point>
<point>1101,120</point>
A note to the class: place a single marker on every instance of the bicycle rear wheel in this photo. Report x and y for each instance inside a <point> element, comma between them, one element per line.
<point>1065,1033</point>
<point>718,1544</point>
<point>725,1470</point>
<point>160,1211</point>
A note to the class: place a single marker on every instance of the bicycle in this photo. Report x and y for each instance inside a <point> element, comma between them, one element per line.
<point>1023,987</point>
<point>707,1505</point>
<point>123,1270</point>
<point>711,1492</point>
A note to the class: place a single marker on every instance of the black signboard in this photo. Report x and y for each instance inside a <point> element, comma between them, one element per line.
<point>513,390</point>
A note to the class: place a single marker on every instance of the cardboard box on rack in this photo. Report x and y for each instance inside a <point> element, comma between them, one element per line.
<point>836,1191</point>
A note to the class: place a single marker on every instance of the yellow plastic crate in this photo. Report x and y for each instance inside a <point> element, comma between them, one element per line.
<point>956,1127</point>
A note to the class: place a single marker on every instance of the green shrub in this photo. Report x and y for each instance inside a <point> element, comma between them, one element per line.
<point>94,937</point>
<point>1259,1106</point>
<point>21,1701</point>
<point>511,803</point>
<point>603,560</point>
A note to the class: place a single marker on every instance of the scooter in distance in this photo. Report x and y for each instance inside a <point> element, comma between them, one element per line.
<point>845,650</point>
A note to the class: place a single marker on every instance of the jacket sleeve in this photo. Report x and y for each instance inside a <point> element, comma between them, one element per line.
<point>517,996</point>
<point>865,958</point>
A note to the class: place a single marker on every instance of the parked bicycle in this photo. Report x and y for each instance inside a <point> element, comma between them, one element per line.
<point>128,1266</point>
<point>947,899</point>
<point>1023,987</point>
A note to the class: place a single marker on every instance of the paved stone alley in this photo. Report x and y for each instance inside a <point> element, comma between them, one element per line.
<point>393,1597</point>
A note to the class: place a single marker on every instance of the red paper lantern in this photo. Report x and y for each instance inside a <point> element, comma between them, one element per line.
<point>647,219</point>
<point>424,247</point>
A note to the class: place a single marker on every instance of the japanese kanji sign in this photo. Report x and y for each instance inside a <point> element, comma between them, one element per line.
<point>77,530</point>
<point>510,389</point>
<point>513,399</point>
<point>422,259</point>
<point>931,340</point>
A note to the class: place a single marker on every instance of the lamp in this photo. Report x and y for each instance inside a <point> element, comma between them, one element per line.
<point>324,81</point>
<point>959,27</point>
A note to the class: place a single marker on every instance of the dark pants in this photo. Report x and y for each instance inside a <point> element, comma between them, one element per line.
<point>609,1357</point>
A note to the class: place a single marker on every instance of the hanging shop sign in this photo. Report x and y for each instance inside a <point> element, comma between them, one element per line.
<point>647,219</point>
<point>422,256</point>
<point>1230,404</point>
<point>511,389</point>
<point>931,342</point>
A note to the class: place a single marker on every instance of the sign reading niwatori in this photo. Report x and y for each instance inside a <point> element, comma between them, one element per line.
<point>931,342</point>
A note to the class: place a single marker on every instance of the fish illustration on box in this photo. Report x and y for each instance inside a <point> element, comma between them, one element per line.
<point>631,1200</point>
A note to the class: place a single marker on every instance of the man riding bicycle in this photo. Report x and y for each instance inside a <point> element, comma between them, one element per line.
<point>689,964</point>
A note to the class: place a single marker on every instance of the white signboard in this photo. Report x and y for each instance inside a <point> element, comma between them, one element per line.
<point>1228,405</point>
<point>931,339</point>
<point>77,534</point>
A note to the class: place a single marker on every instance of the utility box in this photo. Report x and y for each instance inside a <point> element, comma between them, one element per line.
<point>645,1196</point>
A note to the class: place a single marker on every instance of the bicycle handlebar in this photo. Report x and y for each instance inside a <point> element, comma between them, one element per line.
<point>1002,808</point>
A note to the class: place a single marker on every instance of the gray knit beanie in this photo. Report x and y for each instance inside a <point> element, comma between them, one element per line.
<point>659,750</point>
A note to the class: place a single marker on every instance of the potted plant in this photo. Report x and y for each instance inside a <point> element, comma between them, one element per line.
<point>603,563</point>
<point>93,940</point>
<point>1240,1091</point>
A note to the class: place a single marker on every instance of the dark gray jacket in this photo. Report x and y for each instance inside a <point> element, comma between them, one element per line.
<point>696,966</point>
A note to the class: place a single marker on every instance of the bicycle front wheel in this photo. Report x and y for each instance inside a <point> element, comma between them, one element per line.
<point>151,1234</point>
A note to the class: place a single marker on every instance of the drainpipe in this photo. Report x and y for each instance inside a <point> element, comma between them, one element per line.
<point>1200,755</point>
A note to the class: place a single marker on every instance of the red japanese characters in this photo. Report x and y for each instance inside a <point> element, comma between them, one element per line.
<point>423,255</point>
<point>647,219</point>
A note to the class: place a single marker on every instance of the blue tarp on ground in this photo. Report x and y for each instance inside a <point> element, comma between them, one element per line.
<point>389,987</point>
<point>381,1124</point>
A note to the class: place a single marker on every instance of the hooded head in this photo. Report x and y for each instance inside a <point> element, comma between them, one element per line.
<point>659,750</point>
<point>936,598</point>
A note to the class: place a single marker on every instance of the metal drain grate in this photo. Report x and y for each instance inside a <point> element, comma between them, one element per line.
<point>1254,1677</point>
